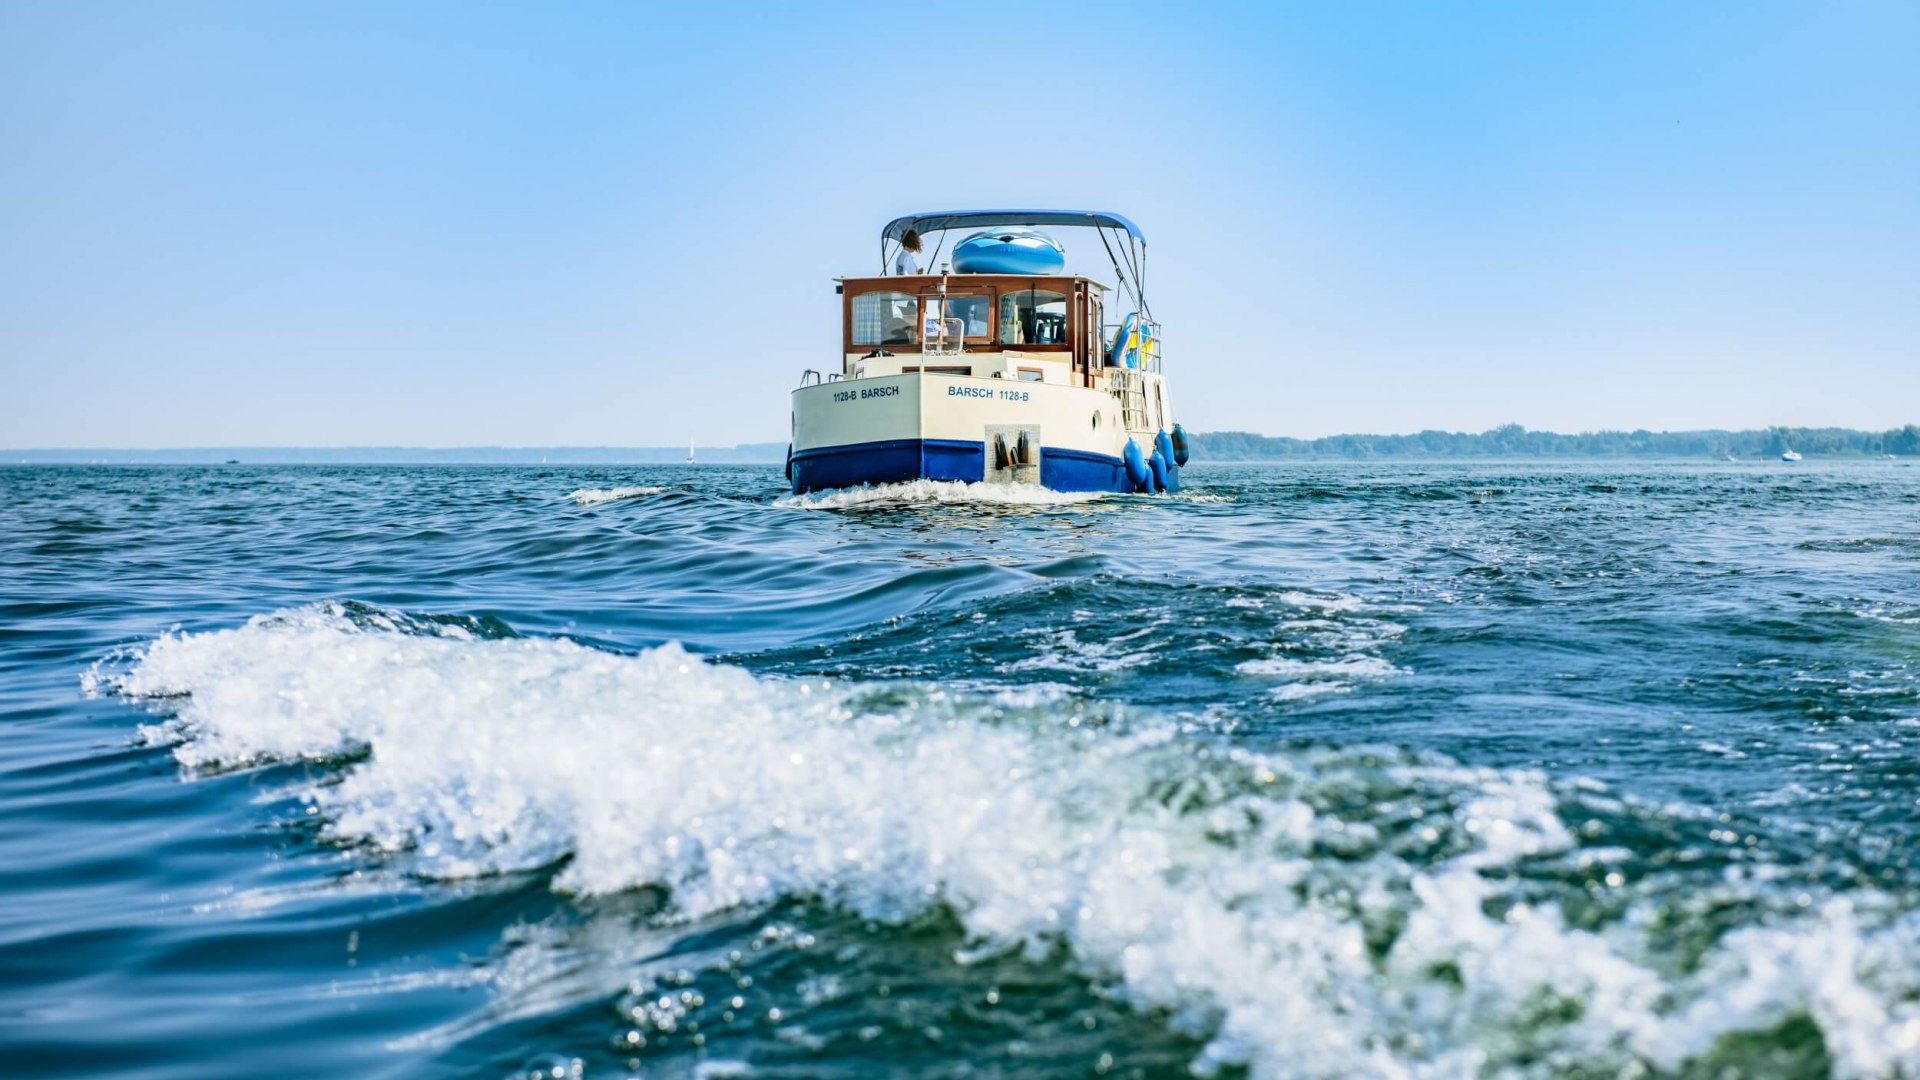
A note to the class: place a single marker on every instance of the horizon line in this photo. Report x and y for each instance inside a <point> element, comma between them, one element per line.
<point>738,446</point>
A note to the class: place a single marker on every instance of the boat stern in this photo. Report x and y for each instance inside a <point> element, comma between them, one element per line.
<point>937,426</point>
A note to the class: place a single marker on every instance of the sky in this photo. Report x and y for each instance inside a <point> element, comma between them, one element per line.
<point>439,224</point>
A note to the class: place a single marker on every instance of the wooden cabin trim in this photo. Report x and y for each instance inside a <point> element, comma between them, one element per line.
<point>1077,290</point>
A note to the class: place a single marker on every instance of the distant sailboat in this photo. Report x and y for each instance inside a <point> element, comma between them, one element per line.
<point>689,451</point>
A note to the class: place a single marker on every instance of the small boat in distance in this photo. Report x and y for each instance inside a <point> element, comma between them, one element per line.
<point>1791,455</point>
<point>1001,366</point>
<point>689,451</point>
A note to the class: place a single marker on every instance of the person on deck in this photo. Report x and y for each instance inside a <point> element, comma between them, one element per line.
<point>904,262</point>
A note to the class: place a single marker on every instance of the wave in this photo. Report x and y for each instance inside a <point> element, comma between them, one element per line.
<point>914,493</point>
<point>1310,912</point>
<point>596,496</point>
<point>1864,543</point>
<point>1354,667</point>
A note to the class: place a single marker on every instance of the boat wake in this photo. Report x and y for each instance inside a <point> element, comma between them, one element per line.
<point>914,493</point>
<point>596,496</point>
<point>1309,913</point>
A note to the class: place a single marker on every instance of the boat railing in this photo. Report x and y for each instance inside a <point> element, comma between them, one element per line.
<point>944,337</point>
<point>1146,353</point>
<point>1129,387</point>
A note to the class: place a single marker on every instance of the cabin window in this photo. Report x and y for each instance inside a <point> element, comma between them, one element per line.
<point>885,318</point>
<point>1033,374</point>
<point>975,312</point>
<point>1033,317</point>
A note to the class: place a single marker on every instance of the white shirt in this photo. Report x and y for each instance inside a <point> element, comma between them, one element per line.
<point>904,263</point>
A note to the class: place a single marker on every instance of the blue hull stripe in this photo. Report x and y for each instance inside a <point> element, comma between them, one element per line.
<point>899,460</point>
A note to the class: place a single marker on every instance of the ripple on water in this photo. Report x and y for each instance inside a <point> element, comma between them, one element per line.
<point>596,496</point>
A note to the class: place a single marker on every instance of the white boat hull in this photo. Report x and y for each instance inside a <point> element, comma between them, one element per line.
<point>927,426</point>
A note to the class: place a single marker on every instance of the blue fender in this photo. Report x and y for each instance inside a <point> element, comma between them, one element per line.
<point>1181,447</point>
<point>1136,464</point>
<point>1169,475</point>
<point>1159,466</point>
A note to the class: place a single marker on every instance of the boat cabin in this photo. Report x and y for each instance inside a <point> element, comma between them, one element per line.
<point>1011,326</point>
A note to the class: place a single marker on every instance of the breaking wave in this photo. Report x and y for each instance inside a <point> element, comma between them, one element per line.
<point>1310,913</point>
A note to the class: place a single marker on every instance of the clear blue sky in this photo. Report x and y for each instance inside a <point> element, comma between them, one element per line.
<point>488,223</point>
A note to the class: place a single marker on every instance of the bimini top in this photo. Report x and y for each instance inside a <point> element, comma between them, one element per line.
<point>987,219</point>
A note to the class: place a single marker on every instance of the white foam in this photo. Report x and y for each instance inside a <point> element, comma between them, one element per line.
<point>934,493</point>
<point>1196,882</point>
<point>596,496</point>
<point>1063,650</point>
<point>1344,667</point>
<point>1302,691</point>
<point>1325,642</point>
<point>1335,602</point>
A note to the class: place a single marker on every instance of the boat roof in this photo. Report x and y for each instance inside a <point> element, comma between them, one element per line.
<point>941,220</point>
<point>931,278</point>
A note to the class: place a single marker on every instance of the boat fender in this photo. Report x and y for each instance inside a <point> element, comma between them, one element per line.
<point>1001,459</point>
<point>1164,444</point>
<point>1136,464</point>
<point>1159,466</point>
<point>1182,449</point>
<point>1023,450</point>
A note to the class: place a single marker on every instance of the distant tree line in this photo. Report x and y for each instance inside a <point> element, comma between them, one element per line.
<point>1514,441</point>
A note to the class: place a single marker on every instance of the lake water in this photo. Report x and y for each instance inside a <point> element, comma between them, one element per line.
<point>1313,770</point>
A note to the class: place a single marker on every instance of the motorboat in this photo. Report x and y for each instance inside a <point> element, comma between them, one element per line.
<point>1790,455</point>
<point>1001,366</point>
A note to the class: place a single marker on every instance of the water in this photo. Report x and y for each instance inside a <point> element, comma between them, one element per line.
<point>1313,771</point>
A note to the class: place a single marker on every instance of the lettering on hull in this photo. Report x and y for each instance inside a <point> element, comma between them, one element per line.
<point>866,392</point>
<point>985,392</point>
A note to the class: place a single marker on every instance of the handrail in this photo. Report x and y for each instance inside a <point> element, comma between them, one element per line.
<point>1129,387</point>
<point>1149,358</point>
<point>948,338</point>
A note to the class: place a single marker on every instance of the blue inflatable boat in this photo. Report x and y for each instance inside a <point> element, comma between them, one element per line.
<point>1009,251</point>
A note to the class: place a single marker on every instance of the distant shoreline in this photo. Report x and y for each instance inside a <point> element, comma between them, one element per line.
<point>1511,442</point>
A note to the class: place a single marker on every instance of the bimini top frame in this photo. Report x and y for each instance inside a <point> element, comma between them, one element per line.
<point>1133,251</point>
<point>987,219</point>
